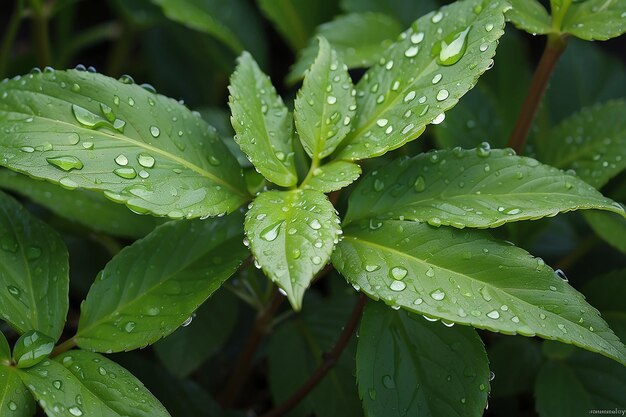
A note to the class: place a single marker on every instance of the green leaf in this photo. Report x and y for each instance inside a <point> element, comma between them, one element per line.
<point>405,11</point>
<point>514,376</point>
<point>34,278</point>
<point>87,208</point>
<point>333,176</point>
<point>5,350</point>
<point>406,365</point>
<point>609,226</point>
<point>142,149</point>
<point>530,16</point>
<point>296,350</point>
<point>262,122</point>
<point>325,105</point>
<point>31,348</point>
<point>15,400</point>
<point>578,385</point>
<point>607,294</point>
<point>592,142</point>
<point>153,286</point>
<point>202,338</point>
<point>422,75</point>
<point>292,234</point>
<point>471,188</point>
<point>595,19</point>
<point>80,383</point>
<point>465,276</point>
<point>359,39</point>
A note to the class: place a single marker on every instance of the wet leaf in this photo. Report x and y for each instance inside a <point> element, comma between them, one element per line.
<point>34,280</point>
<point>467,277</point>
<point>405,11</point>
<point>530,16</point>
<point>595,19</point>
<point>406,364</point>
<point>333,176</point>
<point>15,400</point>
<point>152,287</point>
<point>31,348</point>
<point>471,188</point>
<point>139,148</point>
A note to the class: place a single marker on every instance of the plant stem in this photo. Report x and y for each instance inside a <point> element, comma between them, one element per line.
<point>9,36</point>
<point>553,50</point>
<point>330,360</point>
<point>40,33</point>
<point>63,347</point>
<point>242,369</point>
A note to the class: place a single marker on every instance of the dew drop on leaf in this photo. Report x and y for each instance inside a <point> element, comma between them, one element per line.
<point>271,232</point>
<point>65,162</point>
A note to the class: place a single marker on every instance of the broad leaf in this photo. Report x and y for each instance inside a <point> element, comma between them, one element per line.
<point>595,19</point>
<point>607,294</point>
<point>15,400</point>
<point>153,286</point>
<point>405,11</point>
<point>610,227</point>
<point>262,122</point>
<point>292,234</point>
<point>139,148</point>
<point>5,350</point>
<point>187,348</point>
<point>467,277</point>
<point>530,16</point>
<point>325,105</point>
<point>471,188</point>
<point>422,75</point>
<point>33,272</point>
<point>80,383</point>
<point>409,366</point>
<point>359,39</point>
<point>31,348</point>
<point>576,386</point>
<point>296,349</point>
<point>592,142</point>
<point>514,376</point>
<point>333,176</point>
<point>87,208</point>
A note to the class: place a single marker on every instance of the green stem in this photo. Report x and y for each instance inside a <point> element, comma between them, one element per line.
<point>558,13</point>
<point>315,163</point>
<point>9,36</point>
<point>553,50</point>
<point>63,347</point>
<point>40,33</point>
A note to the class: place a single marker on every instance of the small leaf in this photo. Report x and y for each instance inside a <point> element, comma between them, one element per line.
<point>139,148</point>
<point>262,122</point>
<point>15,400</point>
<point>325,105</point>
<point>405,11</point>
<point>595,19</point>
<point>467,277</point>
<point>31,348</point>
<point>88,208</point>
<point>153,286</point>
<point>292,234</point>
<point>359,39</point>
<point>34,280</point>
<point>80,383</point>
<point>446,51</point>
<point>471,188</point>
<point>399,353</point>
<point>333,176</point>
<point>592,142</point>
<point>530,16</point>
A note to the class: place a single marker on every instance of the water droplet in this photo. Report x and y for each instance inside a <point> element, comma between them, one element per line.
<point>442,95</point>
<point>493,314</point>
<point>12,406</point>
<point>145,160</point>
<point>75,411</point>
<point>127,173</point>
<point>68,183</point>
<point>437,78</point>
<point>430,272</point>
<point>57,384</point>
<point>155,131</point>
<point>438,294</point>
<point>489,27</point>
<point>121,160</point>
<point>315,224</point>
<point>372,267</point>
<point>331,99</point>
<point>452,48</point>
<point>378,185</point>
<point>316,260</point>
<point>27,149</point>
<point>14,291</point>
<point>559,273</point>
<point>33,253</point>
<point>65,162</point>
<point>188,321</point>
<point>271,232</point>
<point>420,184</point>
<point>382,122</point>
<point>411,51</point>
<point>398,272</point>
<point>388,382</point>
<point>88,145</point>
<point>436,18</point>
<point>483,47</point>
<point>130,326</point>
<point>397,286</point>
<point>417,37</point>
<point>439,118</point>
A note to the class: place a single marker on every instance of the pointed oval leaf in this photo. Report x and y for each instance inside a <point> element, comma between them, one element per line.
<point>325,105</point>
<point>467,277</point>
<point>153,286</point>
<point>84,130</point>
<point>592,142</point>
<point>595,19</point>
<point>80,383</point>
<point>399,353</point>
<point>262,123</point>
<point>422,75</point>
<point>31,348</point>
<point>530,16</point>
<point>292,234</point>
<point>471,188</point>
<point>34,278</point>
<point>333,176</point>
<point>15,400</point>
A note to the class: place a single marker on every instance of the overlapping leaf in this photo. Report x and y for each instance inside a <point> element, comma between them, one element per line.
<point>467,277</point>
<point>333,176</point>
<point>262,122</point>
<point>531,16</point>
<point>84,130</point>
<point>292,234</point>
<point>407,365</point>
<point>15,400</point>
<point>595,19</point>
<point>34,279</point>
<point>153,286</point>
<point>471,188</point>
<point>422,75</point>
